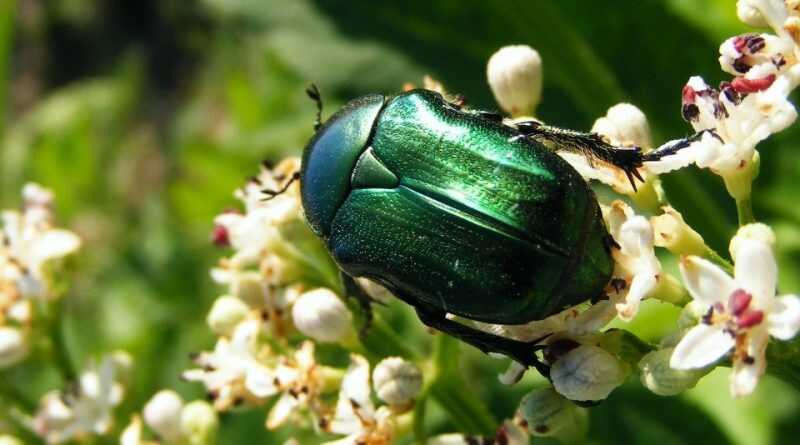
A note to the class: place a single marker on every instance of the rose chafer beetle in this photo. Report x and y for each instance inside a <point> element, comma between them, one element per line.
<point>454,211</point>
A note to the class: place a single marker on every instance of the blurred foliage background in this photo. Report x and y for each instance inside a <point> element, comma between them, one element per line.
<point>145,116</point>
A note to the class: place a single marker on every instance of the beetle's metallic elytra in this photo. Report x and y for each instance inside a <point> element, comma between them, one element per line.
<point>403,189</point>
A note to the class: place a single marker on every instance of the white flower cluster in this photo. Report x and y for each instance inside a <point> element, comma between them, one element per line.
<point>85,409</point>
<point>173,422</point>
<point>30,252</point>
<point>737,315</point>
<point>281,282</point>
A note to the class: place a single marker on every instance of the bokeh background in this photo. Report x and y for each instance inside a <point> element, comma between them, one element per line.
<point>144,116</point>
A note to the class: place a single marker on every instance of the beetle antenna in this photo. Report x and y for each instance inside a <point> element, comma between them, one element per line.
<point>313,92</point>
<point>271,194</point>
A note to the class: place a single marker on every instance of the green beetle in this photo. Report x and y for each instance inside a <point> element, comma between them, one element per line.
<point>455,212</point>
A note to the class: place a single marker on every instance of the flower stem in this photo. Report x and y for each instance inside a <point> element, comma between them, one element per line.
<point>59,350</point>
<point>744,208</point>
<point>465,410</point>
<point>718,259</point>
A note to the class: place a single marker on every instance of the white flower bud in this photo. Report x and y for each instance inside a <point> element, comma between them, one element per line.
<point>249,288</point>
<point>587,373</point>
<point>659,377</point>
<point>625,125</point>
<point>759,232</point>
<point>546,411</point>
<point>396,381</point>
<point>515,77</point>
<point>163,414</point>
<point>321,315</point>
<point>672,232</point>
<point>10,440</point>
<point>13,346</point>
<point>225,314</point>
<point>199,423</point>
<point>750,14</point>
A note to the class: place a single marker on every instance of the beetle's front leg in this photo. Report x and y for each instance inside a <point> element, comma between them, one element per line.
<point>523,352</point>
<point>590,145</point>
<point>593,147</point>
<point>354,290</point>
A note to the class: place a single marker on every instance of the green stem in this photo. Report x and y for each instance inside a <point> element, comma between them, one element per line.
<point>744,209</point>
<point>59,350</point>
<point>718,259</point>
<point>11,394</point>
<point>382,341</point>
<point>449,389</point>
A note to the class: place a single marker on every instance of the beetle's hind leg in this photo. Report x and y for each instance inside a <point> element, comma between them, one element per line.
<point>523,352</point>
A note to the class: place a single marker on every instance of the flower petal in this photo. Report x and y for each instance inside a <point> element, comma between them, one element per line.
<point>705,281</point>
<point>260,382</point>
<point>280,413</point>
<point>745,375</point>
<point>641,286</point>
<point>701,346</point>
<point>353,395</point>
<point>54,243</point>
<point>784,318</point>
<point>756,271</point>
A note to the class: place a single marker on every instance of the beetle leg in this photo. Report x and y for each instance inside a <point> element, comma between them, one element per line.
<point>591,145</point>
<point>354,290</point>
<point>522,352</point>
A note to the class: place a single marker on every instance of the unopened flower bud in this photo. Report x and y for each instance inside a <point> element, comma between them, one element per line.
<point>515,77</point>
<point>659,377</point>
<point>750,14</point>
<point>672,232</point>
<point>758,232</point>
<point>13,346</point>
<point>321,315</point>
<point>625,125</point>
<point>279,271</point>
<point>396,381</point>
<point>225,314</point>
<point>163,414</point>
<point>10,440</point>
<point>587,373</point>
<point>249,288</point>
<point>546,411</point>
<point>199,423</point>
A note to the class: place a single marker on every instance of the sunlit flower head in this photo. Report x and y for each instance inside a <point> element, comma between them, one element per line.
<point>29,244</point>
<point>299,382</point>
<point>355,415</point>
<point>235,372</point>
<point>742,312</point>
<point>86,408</point>
<point>636,261</point>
